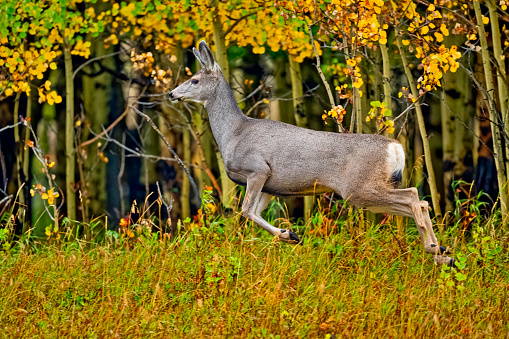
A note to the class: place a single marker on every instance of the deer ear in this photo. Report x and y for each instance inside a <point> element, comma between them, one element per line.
<point>198,57</point>
<point>208,59</point>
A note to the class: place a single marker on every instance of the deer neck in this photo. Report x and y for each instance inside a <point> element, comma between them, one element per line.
<point>225,116</point>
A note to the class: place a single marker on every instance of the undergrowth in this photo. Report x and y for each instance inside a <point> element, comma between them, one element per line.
<point>232,279</point>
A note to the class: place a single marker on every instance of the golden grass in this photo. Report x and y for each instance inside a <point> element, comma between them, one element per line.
<point>238,282</point>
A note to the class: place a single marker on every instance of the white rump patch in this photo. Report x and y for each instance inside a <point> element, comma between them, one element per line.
<point>396,158</point>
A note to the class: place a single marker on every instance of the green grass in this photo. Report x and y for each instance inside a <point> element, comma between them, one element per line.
<point>235,281</point>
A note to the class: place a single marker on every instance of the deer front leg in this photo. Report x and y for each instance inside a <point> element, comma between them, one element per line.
<point>255,202</point>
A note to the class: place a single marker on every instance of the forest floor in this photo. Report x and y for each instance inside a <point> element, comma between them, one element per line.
<point>233,280</point>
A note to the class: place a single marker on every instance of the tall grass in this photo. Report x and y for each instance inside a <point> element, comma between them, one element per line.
<point>233,280</point>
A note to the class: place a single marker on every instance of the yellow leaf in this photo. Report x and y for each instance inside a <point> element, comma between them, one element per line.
<point>439,37</point>
<point>44,196</point>
<point>485,20</point>
<point>425,30</point>
<point>211,207</point>
<point>51,164</point>
<point>431,8</point>
<point>53,65</point>
<point>405,42</point>
<point>444,30</point>
<point>8,92</point>
<point>259,50</point>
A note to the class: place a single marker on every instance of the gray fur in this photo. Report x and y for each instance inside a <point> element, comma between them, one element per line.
<point>275,158</point>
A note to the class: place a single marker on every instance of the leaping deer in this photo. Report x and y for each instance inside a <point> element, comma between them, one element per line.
<point>273,158</point>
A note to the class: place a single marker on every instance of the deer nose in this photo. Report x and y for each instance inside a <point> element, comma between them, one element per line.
<point>170,95</point>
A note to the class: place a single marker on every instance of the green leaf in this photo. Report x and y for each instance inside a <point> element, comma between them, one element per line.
<point>460,276</point>
<point>375,103</point>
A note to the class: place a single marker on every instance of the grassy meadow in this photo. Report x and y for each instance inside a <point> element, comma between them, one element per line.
<point>231,279</point>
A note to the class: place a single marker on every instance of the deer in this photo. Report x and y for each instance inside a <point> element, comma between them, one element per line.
<point>272,158</point>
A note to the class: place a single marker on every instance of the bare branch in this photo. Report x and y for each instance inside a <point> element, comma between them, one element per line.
<point>94,60</point>
<point>168,207</point>
<point>10,126</point>
<point>113,124</point>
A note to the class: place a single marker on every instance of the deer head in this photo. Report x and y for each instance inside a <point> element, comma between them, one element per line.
<point>202,85</point>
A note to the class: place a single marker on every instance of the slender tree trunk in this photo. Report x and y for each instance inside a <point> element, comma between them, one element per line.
<point>69,136</point>
<point>300,119</point>
<point>386,69</point>
<point>358,110</point>
<point>204,140</point>
<point>465,121</point>
<point>455,114</point>
<point>285,106</point>
<point>297,94</point>
<point>501,74</point>
<point>228,186</point>
<point>448,138</point>
<point>376,56</point>
<point>96,98</point>
<point>26,169</point>
<point>424,135</point>
<point>364,100</point>
<point>185,201</point>
<point>497,147</point>
<point>19,162</point>
<point>168,184</point>
<point>356,119</point>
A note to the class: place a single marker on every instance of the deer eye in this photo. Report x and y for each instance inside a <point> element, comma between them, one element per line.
<point>194,81</point>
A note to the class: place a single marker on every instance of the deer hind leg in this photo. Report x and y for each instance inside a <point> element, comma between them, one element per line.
<point>261,204</point>
<point>405,202</point>
<point>255,202</point>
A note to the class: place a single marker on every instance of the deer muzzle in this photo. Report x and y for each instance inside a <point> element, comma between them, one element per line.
<point>172,97</point>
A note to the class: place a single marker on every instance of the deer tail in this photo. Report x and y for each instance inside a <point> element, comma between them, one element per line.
<point>396,163</point>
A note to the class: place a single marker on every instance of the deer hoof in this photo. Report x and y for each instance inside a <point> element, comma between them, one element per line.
<point>444,250</point>
<point>451,263</point>
<point>289,237</point>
